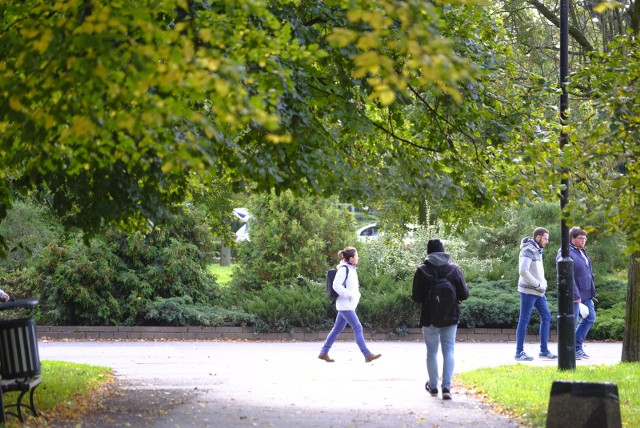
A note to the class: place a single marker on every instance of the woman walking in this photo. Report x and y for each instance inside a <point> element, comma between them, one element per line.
<point>439,286</point>
<point>348,288</point>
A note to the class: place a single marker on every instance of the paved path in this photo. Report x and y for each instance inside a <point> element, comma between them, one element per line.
<point>283,384</point>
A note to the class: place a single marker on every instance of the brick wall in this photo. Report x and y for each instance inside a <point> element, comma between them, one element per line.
<point>246,333</point>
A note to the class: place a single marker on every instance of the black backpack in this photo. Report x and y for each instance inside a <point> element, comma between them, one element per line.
<point>331,275</point>
<point>443,302</point>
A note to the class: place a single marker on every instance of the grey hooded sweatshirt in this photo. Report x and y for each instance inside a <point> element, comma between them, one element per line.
<point>531,270</point>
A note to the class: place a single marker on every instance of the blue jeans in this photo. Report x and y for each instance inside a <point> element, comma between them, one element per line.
<point>527,303</point>
<point>433,337</point>
<point>344,318</point>
<point>585,323</point>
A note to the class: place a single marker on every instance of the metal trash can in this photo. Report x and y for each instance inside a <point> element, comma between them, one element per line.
<point>19,358</point>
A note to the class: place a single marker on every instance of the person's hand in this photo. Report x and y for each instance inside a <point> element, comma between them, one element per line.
<point>5,297</point>
<point>577,301</point>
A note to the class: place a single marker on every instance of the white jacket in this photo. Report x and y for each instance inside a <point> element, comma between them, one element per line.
<point>349,295</point>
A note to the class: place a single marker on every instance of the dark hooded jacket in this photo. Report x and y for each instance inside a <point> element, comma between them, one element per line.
<point>437,264</point>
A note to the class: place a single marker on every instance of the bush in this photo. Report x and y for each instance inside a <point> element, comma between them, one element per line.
<point>291,238</point>
<point>491,304</point>
<point>389,310</point>
<point>610,293</point>
<point>283,309</point>
<point>109,281</point>
<point>181,311</point>
<point>28,229</point>
<point>610,311</point>
<point>609,323</point>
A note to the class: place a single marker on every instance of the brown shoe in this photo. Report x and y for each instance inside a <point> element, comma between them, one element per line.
<point>371,357</point>
<point>326,358</point>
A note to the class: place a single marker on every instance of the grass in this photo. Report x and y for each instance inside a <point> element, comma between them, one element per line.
<point>223,273</point>
<point>66,390</point>
<point>523,391</point>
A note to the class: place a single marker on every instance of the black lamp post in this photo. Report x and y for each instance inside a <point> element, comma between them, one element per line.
<point>566,319</point>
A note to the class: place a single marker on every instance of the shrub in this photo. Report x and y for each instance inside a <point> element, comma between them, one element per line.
<point>609,323</point>
<point>491,304</point>
<point>290,238</point>
<point>610,311</point>
<point>28,228</point>
<point>610,293</point>
<point>181,311</point>
<point>285,308</point>
<point>110,280</point>
<point>389,310</point>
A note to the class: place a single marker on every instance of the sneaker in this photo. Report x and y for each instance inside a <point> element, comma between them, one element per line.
<point>578,355</point>
<point>582,354</point>
<point>523,357</point>
<point>432,391</point>
<point>547,356</point>
<point>446,394</point>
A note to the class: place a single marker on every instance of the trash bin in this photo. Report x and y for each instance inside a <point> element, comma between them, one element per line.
<point>584,405</point>
<point>19,358</point>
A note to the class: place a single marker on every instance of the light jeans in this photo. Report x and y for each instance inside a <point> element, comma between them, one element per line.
<point>344,318</point>
<point>585,323</point>
<point>433,337</point>
<point>527,303</point>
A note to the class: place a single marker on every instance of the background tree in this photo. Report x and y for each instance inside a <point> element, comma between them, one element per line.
<point>291,239</point>
<point>111,107</point>
<point>615,127</point>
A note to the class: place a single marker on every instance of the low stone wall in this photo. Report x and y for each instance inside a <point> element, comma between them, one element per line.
<point>246,333</point>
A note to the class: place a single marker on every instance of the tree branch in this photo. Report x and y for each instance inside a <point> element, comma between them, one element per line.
<point>555,20</point>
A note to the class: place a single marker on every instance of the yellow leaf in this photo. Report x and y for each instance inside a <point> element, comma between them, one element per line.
<point>16,105</point>
<point>49,121</point>
<point>611,4</point>
<point>222,87</point>
<point>127,122</point>
<point>275,138</point>
<point>341,37</point>
<point>28,33</point>
<point>354,15</point>
<point>166,167</point>
<point>369,41</point>
<point>385,95</point>
<point>205,34</point>
<point>82,127</point>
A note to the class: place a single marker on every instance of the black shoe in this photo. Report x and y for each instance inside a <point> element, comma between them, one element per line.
<point>432,391</point>
<point>446,394</point>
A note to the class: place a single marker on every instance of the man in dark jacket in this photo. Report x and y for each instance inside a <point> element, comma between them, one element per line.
<point>584,288</point>
<point>438,265</point>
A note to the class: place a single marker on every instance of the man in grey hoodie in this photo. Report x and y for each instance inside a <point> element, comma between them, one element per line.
<point>532,286</point>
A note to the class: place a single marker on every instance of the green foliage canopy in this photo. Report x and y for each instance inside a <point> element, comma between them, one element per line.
<point>112,106</point>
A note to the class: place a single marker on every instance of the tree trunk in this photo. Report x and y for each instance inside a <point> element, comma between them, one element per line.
<point>225,255</point>
<point>631,343</point>
<point>422,211</point>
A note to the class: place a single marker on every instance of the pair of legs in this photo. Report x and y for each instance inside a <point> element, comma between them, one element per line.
<point>344,318</point>
<point>527,303</point>
<point>585,323</point>
<point>433,338</point>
